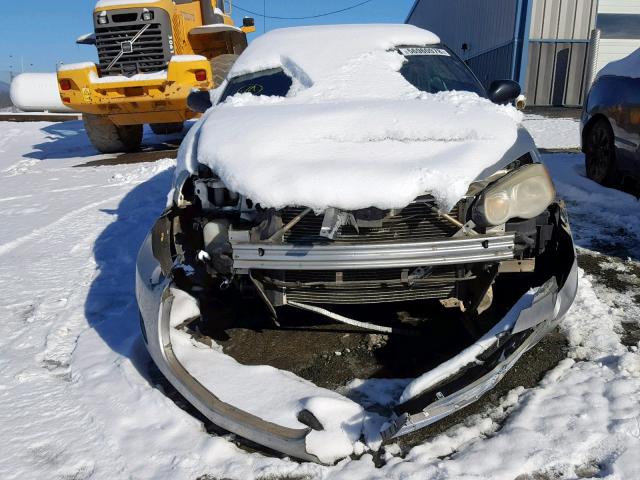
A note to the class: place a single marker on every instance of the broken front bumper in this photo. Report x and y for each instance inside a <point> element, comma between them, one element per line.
<point>156,295</point>
<point>533,317</point>
<point>448,388</point>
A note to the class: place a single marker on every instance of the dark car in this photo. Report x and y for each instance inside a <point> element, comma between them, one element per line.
<point>611,124</point>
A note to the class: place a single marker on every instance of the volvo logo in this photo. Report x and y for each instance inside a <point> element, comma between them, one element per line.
<point>127,47</point>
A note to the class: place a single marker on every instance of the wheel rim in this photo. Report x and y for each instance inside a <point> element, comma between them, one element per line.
<point>600,153</point>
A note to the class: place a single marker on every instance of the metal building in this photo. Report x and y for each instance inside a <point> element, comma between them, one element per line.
<point>619,30</point>
<point>549,46</point>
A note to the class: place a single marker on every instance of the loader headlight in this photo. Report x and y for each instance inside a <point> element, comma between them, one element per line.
<point>147,15</point>
<point>102,18</point>
<point>524,193</point>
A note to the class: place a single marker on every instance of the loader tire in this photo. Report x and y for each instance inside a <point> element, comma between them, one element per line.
<point>220,66</point>
<point>167,128</point>
<point>108,137</point>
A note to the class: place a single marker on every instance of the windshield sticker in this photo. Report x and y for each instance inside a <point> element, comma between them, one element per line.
<point>407,52</point>
<point>254,89</point>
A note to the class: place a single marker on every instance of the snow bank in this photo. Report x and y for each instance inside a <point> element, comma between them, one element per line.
<point>352,133</point>
<point>626,67</point>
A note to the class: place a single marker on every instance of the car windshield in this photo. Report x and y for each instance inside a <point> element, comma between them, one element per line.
<point>270,83</point>
<point>430,69</point>
<point>436,69</point>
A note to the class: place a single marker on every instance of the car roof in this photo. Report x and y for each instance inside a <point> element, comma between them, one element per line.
<point>628,67</point>
<point>315,51</point>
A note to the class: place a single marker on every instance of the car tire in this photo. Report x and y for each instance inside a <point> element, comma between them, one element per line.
<point>600,153</point>
<point>220,66</point>
<point>167,128</point>
<point>108,137</point>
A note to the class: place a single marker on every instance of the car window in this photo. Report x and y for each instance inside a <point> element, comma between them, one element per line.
<point>437,69</point>
<point>619,25</point>
<point>270,83</point>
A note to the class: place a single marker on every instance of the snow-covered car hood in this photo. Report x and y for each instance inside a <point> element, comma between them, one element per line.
<point>352,134</point>
<point>355,154</point>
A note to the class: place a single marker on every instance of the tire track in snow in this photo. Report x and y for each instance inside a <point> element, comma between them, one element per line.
<point>8,136</point>
<point>12,245</point>
<point>40,375</point>
<point>42,379</point>
<point>19,197</point>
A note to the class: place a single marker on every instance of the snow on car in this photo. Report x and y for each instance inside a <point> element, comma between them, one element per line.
<point>341,167</point>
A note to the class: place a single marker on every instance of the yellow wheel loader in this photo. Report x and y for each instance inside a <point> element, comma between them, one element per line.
<point>151,54</point>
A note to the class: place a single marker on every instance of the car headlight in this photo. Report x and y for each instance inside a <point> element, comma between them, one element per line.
<point>524,193</point>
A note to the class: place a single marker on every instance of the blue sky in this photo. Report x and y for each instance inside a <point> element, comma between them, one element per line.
<point>41,33</point>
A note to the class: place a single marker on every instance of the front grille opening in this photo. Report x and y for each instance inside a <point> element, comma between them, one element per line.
<point>367,286</point>
<point>306,343</point>
<point>415,222</point>
<point>124,17</point>
<point>149,54</point>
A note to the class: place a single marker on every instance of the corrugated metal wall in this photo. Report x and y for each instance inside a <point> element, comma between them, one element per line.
<point>554,55</point>
<point>558,50</point>
<point>486,27</point>
<point>493,65</point>
<point>482,25</point>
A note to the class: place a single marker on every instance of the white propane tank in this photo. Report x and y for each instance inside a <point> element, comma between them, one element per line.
<point>37,92</point>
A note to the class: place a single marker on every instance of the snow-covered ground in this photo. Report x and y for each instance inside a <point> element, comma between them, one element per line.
<point>78,398</point>
<point>553,133</point>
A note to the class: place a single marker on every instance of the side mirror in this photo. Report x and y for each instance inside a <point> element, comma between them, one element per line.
<point>87,39</point>
<point>248,25</point>
<point>199,101</point>
<point>504,91</point>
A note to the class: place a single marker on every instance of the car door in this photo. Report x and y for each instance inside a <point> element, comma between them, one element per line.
<point>631,126</point>
<point>618,99</point>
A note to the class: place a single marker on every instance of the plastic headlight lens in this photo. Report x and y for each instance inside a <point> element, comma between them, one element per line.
<point>147,15</point>
<point>524,193</point>
<point>102,18</point>
<point>498,207</point>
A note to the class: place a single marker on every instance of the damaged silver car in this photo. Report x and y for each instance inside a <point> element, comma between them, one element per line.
<point>483,281</point>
